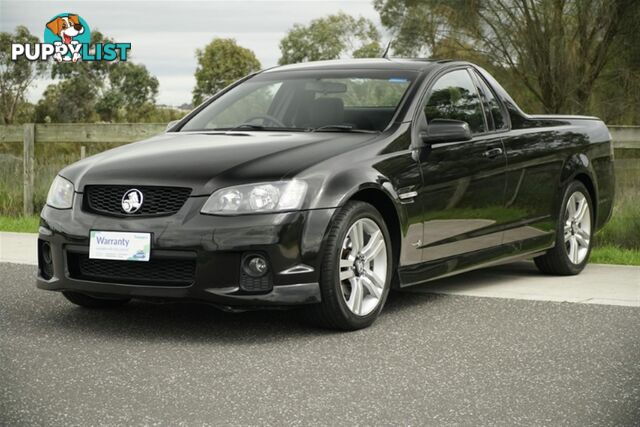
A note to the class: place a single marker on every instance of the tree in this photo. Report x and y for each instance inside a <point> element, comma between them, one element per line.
<point>16,76</point>
<point>69,101</point>
<point>221,63</point>
<point>116,91</point>
<point>616,95</point>
<point>74,97</point>
<point>131,93</point>
<point>25,113</point>
<point>330,38</point>
<point>556,48</point>
<point>419,26</point>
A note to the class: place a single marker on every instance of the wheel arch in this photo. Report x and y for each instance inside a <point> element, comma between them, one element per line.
<point>578,168</point>
<point>367,184</point>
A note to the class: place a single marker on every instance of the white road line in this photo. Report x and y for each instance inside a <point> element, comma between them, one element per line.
<point>598,284</point>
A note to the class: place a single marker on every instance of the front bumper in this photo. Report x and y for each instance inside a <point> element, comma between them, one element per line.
<point>214,245</point>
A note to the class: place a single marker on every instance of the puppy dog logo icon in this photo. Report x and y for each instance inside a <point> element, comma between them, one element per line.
<point>68,29</point>
<point>67,38</point>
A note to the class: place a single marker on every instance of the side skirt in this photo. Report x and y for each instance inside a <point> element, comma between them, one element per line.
<point>427,272</point>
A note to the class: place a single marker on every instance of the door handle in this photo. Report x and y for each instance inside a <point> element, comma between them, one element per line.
<point>494,152</point>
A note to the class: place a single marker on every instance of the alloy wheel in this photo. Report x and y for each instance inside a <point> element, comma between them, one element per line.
<point>577,227</point>
<point>363,267</point>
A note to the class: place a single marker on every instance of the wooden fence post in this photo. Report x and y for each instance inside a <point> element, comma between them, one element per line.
<point>28,159</point>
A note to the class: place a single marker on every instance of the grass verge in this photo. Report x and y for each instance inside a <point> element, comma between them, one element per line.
<point>615,255</point>
<point>20,224</point>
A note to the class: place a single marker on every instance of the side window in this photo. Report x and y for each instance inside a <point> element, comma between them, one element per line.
<point>454,96</point>
<point>492,106</point>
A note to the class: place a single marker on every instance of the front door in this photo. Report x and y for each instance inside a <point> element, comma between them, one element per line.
<point>463,190</point>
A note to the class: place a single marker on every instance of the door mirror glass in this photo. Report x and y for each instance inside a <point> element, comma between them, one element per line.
<point>444,130</point>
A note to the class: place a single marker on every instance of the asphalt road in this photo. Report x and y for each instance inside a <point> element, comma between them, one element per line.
<point>429,360</point>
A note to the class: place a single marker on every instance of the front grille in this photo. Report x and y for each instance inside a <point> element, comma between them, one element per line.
<point>155,272</point>
<point>157,201</point>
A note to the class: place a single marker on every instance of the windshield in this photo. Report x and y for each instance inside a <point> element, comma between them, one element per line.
<point>355,100</point>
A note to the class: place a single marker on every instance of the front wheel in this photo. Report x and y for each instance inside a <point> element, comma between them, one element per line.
<point>356,269</point>
<point>574,234</point>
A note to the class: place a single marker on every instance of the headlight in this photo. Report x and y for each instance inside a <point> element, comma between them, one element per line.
<point>60,194</point>
<point>256,198</point>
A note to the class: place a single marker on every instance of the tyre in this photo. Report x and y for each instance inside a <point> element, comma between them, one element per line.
<point>574,234</point>
<point>84,300</point>
<point>356,269</point>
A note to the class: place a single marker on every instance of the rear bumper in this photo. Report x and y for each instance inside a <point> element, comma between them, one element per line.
<point>211,248</point>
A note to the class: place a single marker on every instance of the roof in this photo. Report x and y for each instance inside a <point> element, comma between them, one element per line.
<point>373,63</point>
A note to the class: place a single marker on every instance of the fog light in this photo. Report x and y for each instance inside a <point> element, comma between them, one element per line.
<point>255,266</point>
<point>45,260</point>
<point>46,253</point>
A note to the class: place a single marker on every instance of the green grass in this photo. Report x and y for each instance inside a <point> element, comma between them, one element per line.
<point>623,230</point>
<point>20,224</point>
<point>615,255</point>
<point>619,241</point>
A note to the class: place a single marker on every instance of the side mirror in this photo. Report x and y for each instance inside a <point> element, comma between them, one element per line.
<point>171,124</point>
<point>444,130</point>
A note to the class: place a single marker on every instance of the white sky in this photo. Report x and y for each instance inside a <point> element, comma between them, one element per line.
<point>165,34</point>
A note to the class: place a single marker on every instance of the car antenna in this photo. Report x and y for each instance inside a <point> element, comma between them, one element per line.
<point>385,54</point>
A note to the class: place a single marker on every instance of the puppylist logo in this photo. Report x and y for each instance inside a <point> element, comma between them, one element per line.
<point>67,38</point>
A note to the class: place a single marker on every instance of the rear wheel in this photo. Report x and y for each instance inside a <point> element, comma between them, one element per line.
<point>356,269</point>
<point>84,300</point>
<point>574,234</point>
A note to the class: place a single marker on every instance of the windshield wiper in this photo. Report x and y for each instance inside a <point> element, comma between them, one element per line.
<point>251,126</point>
<point>341,128</point>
